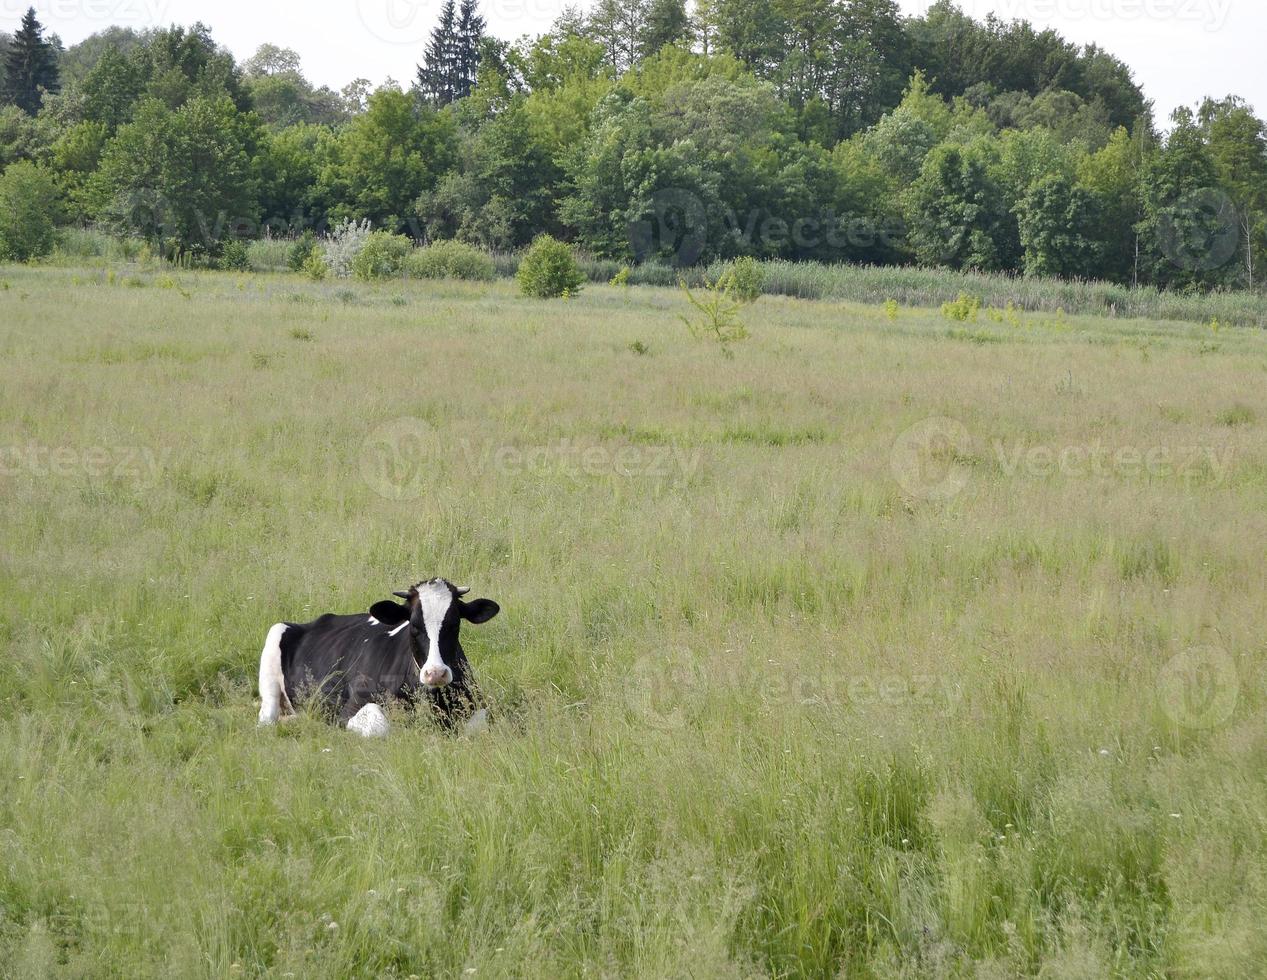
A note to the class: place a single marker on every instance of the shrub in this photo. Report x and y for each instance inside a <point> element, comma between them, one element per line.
<point>382,256</point>
<point>28,211</point>
<point>315,267</point>
<point>300,249</point>
<point>549,269</point>
<point>450,260</point>
<point>744,279</point>
<point>343,246</point>
<point>234,256</point>
<point>963,309</point>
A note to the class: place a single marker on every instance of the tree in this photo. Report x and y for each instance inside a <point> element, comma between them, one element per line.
<point>470,40</point>
<point>502,195</point>
<point>957,213</point>
<point>28,212</point>
<point>1057,220</point>
<point>437,78</point>
<point>182,178</point>
<point>620,26</point>
<point>112,87</point>
<point>1237,141</point>
<point>180,64</point>
<point>30,66</point>
<point>1114,174</point>
<point>386,158</point>
<point>21,137</point>
<point>666,23</point>
<point>269,59</point>
<point>1190,225</point>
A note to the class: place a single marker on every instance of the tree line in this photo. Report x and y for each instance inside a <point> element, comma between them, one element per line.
<point>644,130</point>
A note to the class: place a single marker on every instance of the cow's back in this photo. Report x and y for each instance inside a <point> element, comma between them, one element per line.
<point>343,659</point>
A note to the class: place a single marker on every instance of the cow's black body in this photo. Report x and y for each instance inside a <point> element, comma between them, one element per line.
<point>348,661</point>
<point>352,666</point>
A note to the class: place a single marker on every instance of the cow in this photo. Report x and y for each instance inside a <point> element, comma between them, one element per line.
<point>351,666</point>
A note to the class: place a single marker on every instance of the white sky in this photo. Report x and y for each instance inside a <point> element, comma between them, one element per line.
<point>1180,50</point>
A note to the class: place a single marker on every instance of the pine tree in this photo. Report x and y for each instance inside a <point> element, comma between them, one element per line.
<point>470,37</point>
<point>29,66</point>
<point>438,73</point>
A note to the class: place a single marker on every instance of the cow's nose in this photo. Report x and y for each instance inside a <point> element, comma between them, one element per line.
<point>436,676</point>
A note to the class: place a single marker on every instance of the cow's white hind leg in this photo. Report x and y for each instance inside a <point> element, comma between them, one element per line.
<point>273,698</point>
<point>370,722</point>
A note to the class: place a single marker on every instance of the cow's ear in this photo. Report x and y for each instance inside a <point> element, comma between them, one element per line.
<point>389,613</point>
<point>479,611</point>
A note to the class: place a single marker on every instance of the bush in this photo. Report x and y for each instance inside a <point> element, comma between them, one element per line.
<point>315,267</point>
<point>963,309</point>
<point>234,256</point>
<point>744,279</point>
<point>28,211</point>
<point>381,257</point>
<point>343,246</point>
<point>549,269</point>
<point>300,249</point>
<point>450,260</point>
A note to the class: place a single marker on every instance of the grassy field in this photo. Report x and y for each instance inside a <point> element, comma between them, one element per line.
<point>891,647</point>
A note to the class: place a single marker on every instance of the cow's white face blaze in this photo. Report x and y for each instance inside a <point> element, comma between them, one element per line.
<point>435,607</point>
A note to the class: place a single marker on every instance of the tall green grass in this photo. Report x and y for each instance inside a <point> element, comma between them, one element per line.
<point>758,708</point>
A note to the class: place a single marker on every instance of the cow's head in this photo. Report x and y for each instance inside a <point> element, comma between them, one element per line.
<point>434,611</point>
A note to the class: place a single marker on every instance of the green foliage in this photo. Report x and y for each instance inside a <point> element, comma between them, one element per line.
<point>315,267</point>
<point>385,158</point>
<point>549,270</point>
<point>963,309</point>
<point>957,210</point>
<point>30,66</point>
<point>235,256</point>
<point>29,209</point>
<point>744,279</point>
<point>891,309</point>
<point>181,178</point>
<point>621,278</point>
<point>450,260</point>
<point>381,256</point>
<point>1057,227</point>
<point>826,132</point>
<point>300,250</point>
<point>717,314</point>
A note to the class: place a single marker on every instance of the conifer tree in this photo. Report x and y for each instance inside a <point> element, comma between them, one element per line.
<point>438,73</point>
<point>29,66</point>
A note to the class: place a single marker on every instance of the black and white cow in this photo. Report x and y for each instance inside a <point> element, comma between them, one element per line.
<point>354,664</point>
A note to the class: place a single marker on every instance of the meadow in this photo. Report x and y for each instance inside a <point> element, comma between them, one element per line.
<point>890,646</point>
